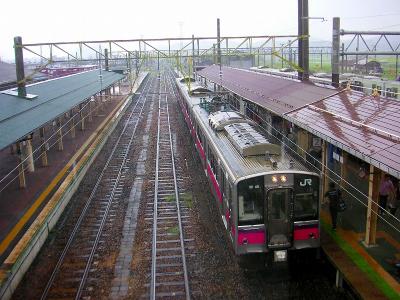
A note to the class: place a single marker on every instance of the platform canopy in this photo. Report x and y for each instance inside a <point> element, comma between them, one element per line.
<point>363,125</point>
<point>366,126</point>
<point>20,116</point>
<point>278,95</point>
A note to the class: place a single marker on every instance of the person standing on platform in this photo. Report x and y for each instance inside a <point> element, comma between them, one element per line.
<point>385,189</point>
<point>333,195</point>
<point>394,199</point>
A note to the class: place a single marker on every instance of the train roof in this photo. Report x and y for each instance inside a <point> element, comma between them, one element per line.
<point>218,120</point>
<point>242,156</point>
<point>249,142</point>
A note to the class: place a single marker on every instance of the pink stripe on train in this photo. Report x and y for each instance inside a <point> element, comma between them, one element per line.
<point>301,234</point>
<point>253,237</point>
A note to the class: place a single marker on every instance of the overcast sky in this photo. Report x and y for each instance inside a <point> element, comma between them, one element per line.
<point>54,21</point>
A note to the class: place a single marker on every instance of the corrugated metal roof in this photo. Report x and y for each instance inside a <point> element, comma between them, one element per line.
<point>278,94</point>
<point>19,117</point>
<point>366,126</point>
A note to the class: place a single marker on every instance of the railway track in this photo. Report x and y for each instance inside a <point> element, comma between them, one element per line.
<point>177,250</point>
<point>167,214</point>
<point>75,264</point>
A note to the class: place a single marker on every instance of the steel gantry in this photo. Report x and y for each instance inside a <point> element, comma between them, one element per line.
<point>198,49</point>
<point>378,44</point>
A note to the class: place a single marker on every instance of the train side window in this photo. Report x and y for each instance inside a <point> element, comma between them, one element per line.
<point>211,160</point>
<point>217,173</point>
<point>222,180</point>
<point>199,135</point>
<point>230,194</point>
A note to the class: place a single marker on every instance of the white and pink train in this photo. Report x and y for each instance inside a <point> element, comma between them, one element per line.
<point>268,201</point>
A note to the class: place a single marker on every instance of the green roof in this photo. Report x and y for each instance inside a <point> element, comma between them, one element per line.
<point>20,116</point>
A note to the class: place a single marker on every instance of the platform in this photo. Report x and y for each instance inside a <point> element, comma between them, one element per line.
<point>18,207</point>
<point>357,265</point>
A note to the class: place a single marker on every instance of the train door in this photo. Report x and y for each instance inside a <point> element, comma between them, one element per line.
<point>277,220</point>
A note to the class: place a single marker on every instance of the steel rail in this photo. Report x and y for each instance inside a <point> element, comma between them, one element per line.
<point>185,273</point>
<point>155,207</point>
<point>111,197</point>
<point>85,209</point>
<point>163,114</point>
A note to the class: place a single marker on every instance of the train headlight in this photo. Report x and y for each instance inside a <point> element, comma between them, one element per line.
<point>274,179</point>
<point>283,178</point>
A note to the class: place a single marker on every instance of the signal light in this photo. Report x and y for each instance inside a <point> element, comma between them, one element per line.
<point>275,179</point>
<point>283,178</point>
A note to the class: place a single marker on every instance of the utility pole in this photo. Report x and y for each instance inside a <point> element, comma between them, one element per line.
<point>136,64</point>
<point>158,61</point>
<point>19,66</point>
<point>106,59</point>
<point>193,64</point>
<point>219,60</point>
<point>335,51</point>
<point>304,40</point>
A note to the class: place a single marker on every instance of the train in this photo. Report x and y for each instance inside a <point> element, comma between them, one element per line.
<point>268,200</point>
<point>362,83</point>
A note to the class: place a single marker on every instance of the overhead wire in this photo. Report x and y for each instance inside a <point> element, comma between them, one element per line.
<point>326,170</point>
<point>371,16</point>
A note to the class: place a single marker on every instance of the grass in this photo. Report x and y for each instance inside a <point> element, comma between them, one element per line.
<point>316,65</point>
<point>362,264</point>
<point>173,230</point>
<point>187,198</point>
<point>170,198</point>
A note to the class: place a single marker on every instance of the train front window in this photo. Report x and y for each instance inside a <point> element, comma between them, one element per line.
<point>278,199</point>
<point>305,207</point>
<point>250,201</point>
<point>306,197</point>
